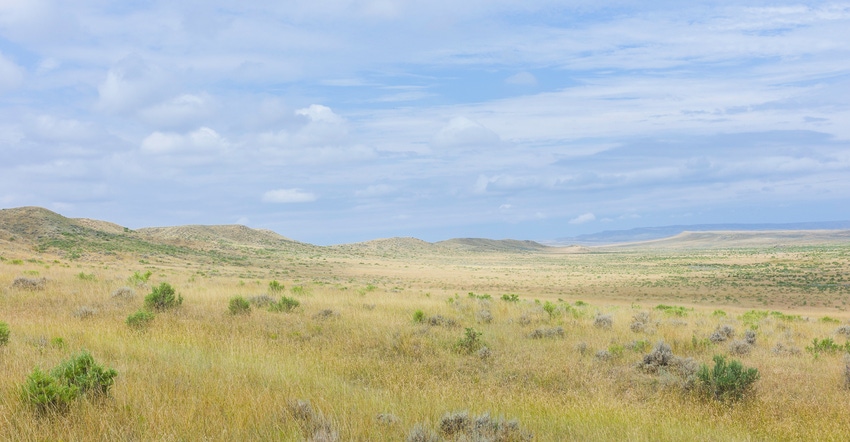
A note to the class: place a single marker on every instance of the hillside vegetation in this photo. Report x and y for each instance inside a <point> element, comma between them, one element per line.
<point>225,333</point>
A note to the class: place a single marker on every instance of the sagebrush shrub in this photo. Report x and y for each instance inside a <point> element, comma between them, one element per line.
<point>163,297</point>
<point>239,306</point>
<point>460,426</point>
<point>123,293</point>
<point>726,382</point>
<point>4,333</point>
<point>261,300</point>
<point>739,347</point>
<point>24,283</point>
<point>312,422</point>
<point>603,321</point>
<point>421,433</point>
<point>139,320</point>
<point>722,333</point>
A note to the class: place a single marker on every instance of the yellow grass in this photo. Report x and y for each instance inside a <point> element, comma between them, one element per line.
<point>199,373</point>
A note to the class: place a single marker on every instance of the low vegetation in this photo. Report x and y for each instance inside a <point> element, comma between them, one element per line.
<point>360,344</point>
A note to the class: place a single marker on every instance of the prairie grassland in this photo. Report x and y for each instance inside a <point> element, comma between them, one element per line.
<point>371,372</point>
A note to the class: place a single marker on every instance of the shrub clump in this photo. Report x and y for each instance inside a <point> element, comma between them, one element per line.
<point>781,349</point>
<point>603,321</point>
<point>139,320</point>
<point>261,300</point>
<point>312,422</point>
<point>440,320</point>
<point>24,283</point>
<point>750,337</point>
<point>84,312</point>
<point>461,426</point>
<point>54,391</point>
<point>722,333</point>
<point>661,360</point>
<point>123,293</point>
<point>470,342</point>
<point>421,433</point>
<point>4,333</point>
<point>540,333</point>
<point>163,297</point>
<point>239,306</point>
<point>739,347</point>
<point>726,382</point>
<point>285,304</point>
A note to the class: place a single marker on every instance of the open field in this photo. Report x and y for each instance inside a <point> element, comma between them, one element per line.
<point>377,345</point>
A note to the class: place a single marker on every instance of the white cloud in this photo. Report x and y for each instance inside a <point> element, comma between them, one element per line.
<point>463,132</point>
<point>179,111</point>
<point>132,83</point>
<point>11,75</point>
<point>585,218</point>
<point>283,196</point>
<point>48,127</point>
<point>324,127</point>
<point>201,140</point>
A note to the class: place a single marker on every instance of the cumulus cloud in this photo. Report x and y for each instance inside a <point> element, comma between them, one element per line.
<point>201,140</point>
<point>584,218</point>
<point>323,126</point>
<point>284,196</point>
<point>463,132</point>
<point>51,128</point>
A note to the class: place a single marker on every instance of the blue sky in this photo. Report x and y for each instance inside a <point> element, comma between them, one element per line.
<point>341,121</point>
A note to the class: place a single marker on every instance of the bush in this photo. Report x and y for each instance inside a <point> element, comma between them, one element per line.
<point>510,297</point>
<point>163,297</point>
<point>139,278</point>
<point>123,293</point>
<point>603,321</point>
<point>140,320</point>
<point>284,305</point>
<point>239,306</point>
<point>24,283</point>
<point>4,333</point>
<point>418,316</point>
<point>470,342</point>
<point>275,287</point>
<point>722,334</point>
<point>45,392</point>
<point>54,391</point>
<point>726,382</point>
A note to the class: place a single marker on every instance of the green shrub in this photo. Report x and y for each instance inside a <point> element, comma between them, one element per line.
<point>46,392</point>
<point>86,276</point>
<point>275,287</point>
<point>726,382</point>
<point>84,373</point>
<point>470,342</point>
<point>140,320</point>
<point>4,333</point>
<point>298,290</point>
<point>163,297</point>
<point>550,308</point>
<point>826,345</point>
<point>829,320</point>
<point>418,316</point>
<point>54,391</point>
<point>719,314</point>
<point>672,310</point>
<point>284,305</point>
<point>139,278</point>
<point>239,306</point>
<point>510,298</point>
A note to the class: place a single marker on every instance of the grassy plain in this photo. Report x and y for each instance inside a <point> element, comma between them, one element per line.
<point>354,351</point>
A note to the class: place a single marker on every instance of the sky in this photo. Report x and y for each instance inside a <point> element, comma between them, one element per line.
<point>337,121</point>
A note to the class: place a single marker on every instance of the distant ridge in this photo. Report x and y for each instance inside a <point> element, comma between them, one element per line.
<point>652,233</point>
<point>492,245</point>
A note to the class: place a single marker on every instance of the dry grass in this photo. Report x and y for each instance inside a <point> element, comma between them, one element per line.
<point>352,352</point>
